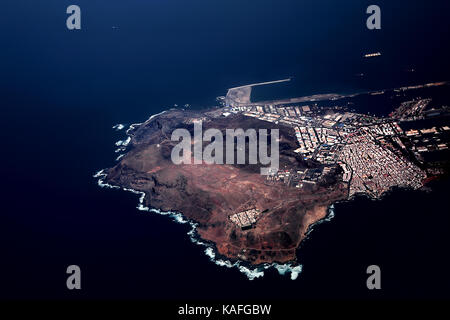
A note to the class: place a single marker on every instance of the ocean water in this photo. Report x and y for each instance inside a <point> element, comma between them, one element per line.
<point>62,92</point>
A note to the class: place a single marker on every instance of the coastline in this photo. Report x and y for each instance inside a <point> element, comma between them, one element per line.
<point>251,271</point>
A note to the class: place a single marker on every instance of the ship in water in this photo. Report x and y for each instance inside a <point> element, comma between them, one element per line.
<point>371,55</point>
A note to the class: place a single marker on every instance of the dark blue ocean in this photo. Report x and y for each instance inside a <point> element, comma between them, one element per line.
<point>62,91</point>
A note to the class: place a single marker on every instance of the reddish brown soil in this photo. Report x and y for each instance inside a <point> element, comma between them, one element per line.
<point>209,194</point>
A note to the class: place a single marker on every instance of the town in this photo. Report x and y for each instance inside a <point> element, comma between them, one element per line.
<point>245,219</point>
<point>370,151</point>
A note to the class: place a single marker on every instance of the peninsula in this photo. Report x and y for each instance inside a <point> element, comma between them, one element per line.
<point>326,154</point>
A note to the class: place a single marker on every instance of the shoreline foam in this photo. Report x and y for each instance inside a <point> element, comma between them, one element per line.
<point>252,272</point>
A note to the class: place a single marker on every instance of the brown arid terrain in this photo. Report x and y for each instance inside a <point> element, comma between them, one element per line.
<point>210,194</point>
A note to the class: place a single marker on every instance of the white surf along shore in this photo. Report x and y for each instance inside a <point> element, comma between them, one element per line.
<point>251,272</point>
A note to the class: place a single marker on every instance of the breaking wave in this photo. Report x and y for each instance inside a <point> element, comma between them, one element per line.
<point>118,127</point>
<point>330,215</point>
